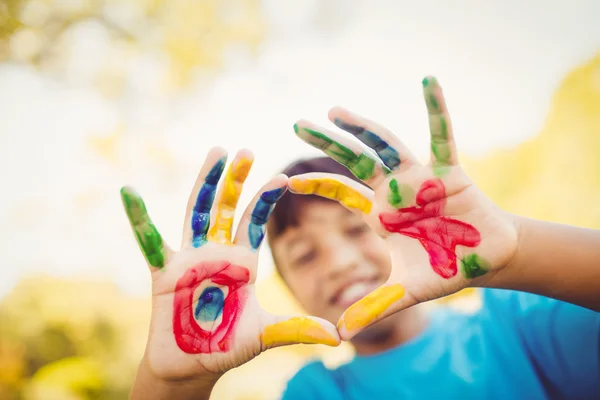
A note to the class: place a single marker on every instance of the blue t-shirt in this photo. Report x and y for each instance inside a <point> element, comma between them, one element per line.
<point>518,346</point>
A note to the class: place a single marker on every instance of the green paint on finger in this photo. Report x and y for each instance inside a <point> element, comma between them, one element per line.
<point>438,127</point>
<point>441,151</point>
<point>400,194</point>
<point>147,235</point>
<point>429,85</point>
<point>440,170</point>
<point>474,266</point>
<point>394,197</point>
<point>361,165</point>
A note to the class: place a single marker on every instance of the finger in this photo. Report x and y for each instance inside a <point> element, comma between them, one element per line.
<point>443,147</point>
<point>387,146</point>
<point>351,194</point>
<point>251,229</point>
<point>365,166</point>
<point>228,196</point>
<point>197,216</point>
<point>383,301</point>
<point>308,330</point>
<point>151,243</point>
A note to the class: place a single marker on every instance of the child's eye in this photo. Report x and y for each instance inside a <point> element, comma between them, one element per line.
<point>357,230</point>
<point>305,258</point>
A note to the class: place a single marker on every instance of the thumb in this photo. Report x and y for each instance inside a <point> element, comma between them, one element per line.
<point>285,330</point>
<point>382,302</point>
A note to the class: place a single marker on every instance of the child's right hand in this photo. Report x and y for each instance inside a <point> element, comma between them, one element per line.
<point>205,315</point>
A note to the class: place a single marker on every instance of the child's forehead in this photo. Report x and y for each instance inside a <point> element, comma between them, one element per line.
<point>316,214</point>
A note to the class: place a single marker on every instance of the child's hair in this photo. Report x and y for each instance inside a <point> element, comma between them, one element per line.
<point>286,211</point>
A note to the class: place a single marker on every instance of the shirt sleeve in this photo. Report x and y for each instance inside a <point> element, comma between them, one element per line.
<point>561,339</point>
<point>313,381</point>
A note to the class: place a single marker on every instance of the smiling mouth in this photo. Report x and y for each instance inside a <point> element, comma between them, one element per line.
<point>353,292</point>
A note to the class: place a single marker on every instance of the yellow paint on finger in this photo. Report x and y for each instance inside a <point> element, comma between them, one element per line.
<point>220,231</point>
<point>296,330</point>
<point>370,307</point>
<point>332,189</point>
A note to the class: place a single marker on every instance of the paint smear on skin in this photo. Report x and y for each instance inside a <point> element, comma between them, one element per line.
<point>474,266</point>
<point>190,337</point>
<point>399,194</point>
<point>438,126</point>
<point>296,330</point>
<point>210,304</point>
<point>220,232</point>
<point>370,307</point>
<point>147,235</point>
<point>361,165</point>
<point>332,189</point>
<point>438,234</point>
<point>204,201</point>
<point>260,215</point>
<point>387,153</point>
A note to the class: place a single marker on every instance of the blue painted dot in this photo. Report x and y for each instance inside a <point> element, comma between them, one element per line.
<point>210,304</point>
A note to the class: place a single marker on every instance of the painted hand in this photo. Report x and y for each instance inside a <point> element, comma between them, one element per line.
<point>442,232</point>
<point>205,315</point>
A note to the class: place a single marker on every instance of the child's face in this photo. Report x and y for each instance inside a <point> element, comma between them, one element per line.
<point>330,260</point>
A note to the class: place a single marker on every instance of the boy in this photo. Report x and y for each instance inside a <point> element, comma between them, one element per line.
<point>390,248</point>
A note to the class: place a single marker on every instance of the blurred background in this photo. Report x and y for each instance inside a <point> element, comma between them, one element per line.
<point>95,94</point>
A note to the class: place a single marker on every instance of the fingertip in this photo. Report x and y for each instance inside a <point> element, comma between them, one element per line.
<point>343,333</point>
<point>217,152</point>
<point>328,336</point>
<point>125,190</point>
<point>295,184</point>
<point>245,154</point>
<point>336,112</point>
<point>280,179</point>
<point>128,194</point>
<point>300,125</point>
<point>428,81</point>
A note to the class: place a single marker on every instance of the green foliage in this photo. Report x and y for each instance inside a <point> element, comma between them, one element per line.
<point>188,36</point>
<point>70,339</point>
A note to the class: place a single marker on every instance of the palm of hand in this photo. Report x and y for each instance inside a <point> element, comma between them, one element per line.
<point>433,218</point>
<point>205,315</point>
<point>204,305</point>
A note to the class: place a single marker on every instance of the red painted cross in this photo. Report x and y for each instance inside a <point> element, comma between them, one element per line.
<point>439,235</point>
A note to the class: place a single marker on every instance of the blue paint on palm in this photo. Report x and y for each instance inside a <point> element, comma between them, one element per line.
<point>204,201</point>
<point>210,304</point>
<point>387,153</point>
<point>263,208</point>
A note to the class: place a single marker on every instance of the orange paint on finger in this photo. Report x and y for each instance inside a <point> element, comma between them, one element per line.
<point>220,231</point>
<point>370,307</point>
<point>332,189</point>
<point>296,330</point>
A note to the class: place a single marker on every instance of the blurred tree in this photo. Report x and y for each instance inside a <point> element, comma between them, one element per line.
<point>184,35</point>
<point>69,339</point>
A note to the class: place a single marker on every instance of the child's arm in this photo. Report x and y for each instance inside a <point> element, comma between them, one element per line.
<point>205,316</point>
<point>554,260</point>
<point>443,234</point>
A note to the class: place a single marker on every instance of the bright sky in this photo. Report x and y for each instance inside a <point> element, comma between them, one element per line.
<point>499,63</point>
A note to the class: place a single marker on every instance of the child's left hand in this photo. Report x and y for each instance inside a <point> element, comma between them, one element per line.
<point>434,219</point>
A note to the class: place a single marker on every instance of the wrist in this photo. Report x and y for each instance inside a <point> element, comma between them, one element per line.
<point>149,386</point>
<point>503,276</point>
